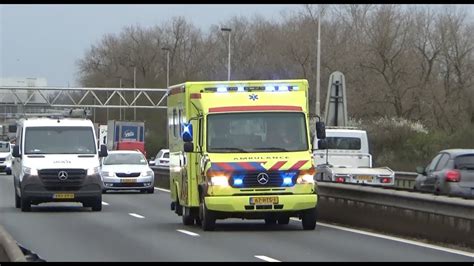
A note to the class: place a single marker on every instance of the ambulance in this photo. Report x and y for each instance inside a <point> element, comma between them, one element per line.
<point>242,149</point>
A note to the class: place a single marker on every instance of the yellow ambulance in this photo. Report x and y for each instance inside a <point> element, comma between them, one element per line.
<point>242,149</point>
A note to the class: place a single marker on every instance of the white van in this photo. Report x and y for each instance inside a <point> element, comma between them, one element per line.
<point>56,159</point>
<point>5,157</point>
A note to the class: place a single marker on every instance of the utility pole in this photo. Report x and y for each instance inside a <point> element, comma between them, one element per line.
<point>228,48</point>
<point>318,67</point>
<point>134,93</point>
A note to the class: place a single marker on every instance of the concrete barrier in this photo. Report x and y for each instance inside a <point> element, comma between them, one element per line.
<point>9,250</point>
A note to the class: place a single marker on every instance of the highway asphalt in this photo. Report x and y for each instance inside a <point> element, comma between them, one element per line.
<point>141,227</point>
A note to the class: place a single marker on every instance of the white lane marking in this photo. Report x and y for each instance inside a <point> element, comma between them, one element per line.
<point>265,258</point>
<point>162,189</point>
<point>105,203</point>
<point>187,232</point>
<point>136,215</point>
<point>416,243</point>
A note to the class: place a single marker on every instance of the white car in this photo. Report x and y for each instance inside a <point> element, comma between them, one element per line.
<point>5,157</point>
<point>127,170</point>
<point>162,159</point>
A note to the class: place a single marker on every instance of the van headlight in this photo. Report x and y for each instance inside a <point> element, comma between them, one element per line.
<point>147,173</point>
<point>107,174</point>
<point>30,171</point>
<point>93,170</point>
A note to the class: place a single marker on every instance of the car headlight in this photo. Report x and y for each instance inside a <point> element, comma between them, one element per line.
<point>93,171</point>
<point>107,174</point>
<point>30,171</point>
<point>219,180</point>
<point>147,173</point>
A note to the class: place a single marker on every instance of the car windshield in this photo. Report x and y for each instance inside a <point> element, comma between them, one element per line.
<point>4,147</point>
<point>256,132</point>
<point>124,158</point>
<point>343,143</point>
<point>59,140</point>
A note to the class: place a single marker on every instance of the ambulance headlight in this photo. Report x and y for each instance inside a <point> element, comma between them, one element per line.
<point>306,176</point>
<point>219,180</point>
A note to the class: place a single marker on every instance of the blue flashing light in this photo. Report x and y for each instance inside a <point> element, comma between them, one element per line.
<point>238,180</point>
<point>287,181</point>
<point>283,88</point>
<point>295,88</point>
<point>221,89</point>
<point>269,88</point>
<point>240,89</point>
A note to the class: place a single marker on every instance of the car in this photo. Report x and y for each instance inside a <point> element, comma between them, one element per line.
<point>5,157</point>
<point>127,170</point>
<point>162,159</point>
<point>450,172</point>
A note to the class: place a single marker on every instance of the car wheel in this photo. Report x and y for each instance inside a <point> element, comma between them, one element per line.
<point>309,218</point>
<point>284,220</point>
<point>9,172</point>
<point>25,204</point>
<point>208,220</point>
<point>104,191</point>
<point>151,190</point>
<point>96,204</point>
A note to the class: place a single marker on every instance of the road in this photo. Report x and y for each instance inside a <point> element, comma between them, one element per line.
<point>141,227</point>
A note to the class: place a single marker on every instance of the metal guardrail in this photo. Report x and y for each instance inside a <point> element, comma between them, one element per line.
<point>10,248</point>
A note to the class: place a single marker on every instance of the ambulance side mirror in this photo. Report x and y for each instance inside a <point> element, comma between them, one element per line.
<point>320,130</point>
<point>188,147</point>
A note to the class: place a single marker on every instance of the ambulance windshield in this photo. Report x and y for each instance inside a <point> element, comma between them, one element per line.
<point>256,132</point>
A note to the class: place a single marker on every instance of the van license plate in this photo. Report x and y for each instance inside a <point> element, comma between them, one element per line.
<point>63,196</point>
<point>129,180</point>
<point>263,200</point>
<point>365,177</point>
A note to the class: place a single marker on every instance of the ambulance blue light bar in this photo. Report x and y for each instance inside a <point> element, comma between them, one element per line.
<point>267,88</point>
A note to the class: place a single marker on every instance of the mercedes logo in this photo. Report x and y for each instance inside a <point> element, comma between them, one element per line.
<point>262,178</point>
<point>62,175</point>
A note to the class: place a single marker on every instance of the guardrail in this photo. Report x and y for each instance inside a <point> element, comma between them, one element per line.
<point>9,249</point>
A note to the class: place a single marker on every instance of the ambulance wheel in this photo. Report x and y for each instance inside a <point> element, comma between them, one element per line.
<point>270,220</point>
<point>188,219</point>
<point>284,220</point>
<point>17,201</point>
<point>208,220</point>
<point>308,219</point>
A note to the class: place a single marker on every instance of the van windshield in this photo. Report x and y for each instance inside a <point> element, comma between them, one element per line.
<point>4,147</point>
<point>59,140</point>
<point>256,132</point>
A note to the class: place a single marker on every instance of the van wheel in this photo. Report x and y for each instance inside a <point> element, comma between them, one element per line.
<point>270,220</point>
<point>9,172</point>
<point>208,220</point>
<point>308,219</point>
<point>151,190</point>
<point>284,220</point>
<point>25,204</point>
<point>188,218</point>
<point>97,204</point>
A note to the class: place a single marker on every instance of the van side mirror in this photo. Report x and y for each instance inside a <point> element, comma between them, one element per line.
<point>322,144</point>
<point>188,147</point>
<point>420,170</point>
<point>103,151</point>
<point>320,130</point>
<point>16,151</point>
<point>187,129</point>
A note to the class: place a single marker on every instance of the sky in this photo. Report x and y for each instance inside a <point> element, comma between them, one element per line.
<point>45,41</point>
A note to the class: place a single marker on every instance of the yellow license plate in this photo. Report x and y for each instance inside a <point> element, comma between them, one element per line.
<point>365,177</point>
<point>263,200</point>
<point>63,196</point>
<point>128,180</point>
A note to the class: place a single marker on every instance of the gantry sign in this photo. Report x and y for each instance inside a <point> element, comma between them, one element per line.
<point>150,98</point>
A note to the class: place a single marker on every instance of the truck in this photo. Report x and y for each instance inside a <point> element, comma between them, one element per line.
<point>241,149</point>
<point>344,158</point>
<point>125,135</point>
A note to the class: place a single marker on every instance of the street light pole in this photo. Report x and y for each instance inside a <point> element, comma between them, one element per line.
<point>228,60</point>
<point>167,65</point>
<point>134,92</point>
<point>318,66</point>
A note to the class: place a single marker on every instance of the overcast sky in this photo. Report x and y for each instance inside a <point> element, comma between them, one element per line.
<point>46,40</point>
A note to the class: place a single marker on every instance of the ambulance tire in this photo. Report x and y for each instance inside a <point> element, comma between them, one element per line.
<point>17,201</point>
<point>270,220</point>
<point>208,220</point>
<point>188,218</point>
<point>284,220</point>
<point>308,219</point>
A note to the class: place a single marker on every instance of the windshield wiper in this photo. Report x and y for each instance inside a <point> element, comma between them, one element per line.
<point>35,152</point>
<point>271,149</point>
<point>230,149</point>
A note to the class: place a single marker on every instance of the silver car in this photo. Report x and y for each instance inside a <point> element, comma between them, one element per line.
<point>451,172</point>
<point>127,170</point>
